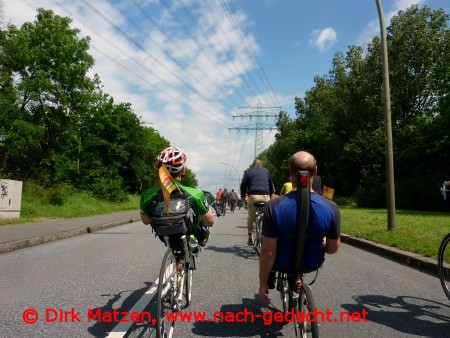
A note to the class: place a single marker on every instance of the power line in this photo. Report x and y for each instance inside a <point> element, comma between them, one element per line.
<point>202,108</point>
<point>251,53</point>
<point>215,114</point>
<point>198,80</point>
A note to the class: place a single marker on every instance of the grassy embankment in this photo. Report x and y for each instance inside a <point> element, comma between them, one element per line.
<point>416,231</point>
<point>41,205</point>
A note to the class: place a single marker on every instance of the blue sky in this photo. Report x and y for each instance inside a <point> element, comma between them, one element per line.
<point>187,67</point>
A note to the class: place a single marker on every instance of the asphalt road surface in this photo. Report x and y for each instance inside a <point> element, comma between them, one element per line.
<point>59,289</point>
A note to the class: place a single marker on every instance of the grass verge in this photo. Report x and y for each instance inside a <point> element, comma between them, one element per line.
<point>416,231</point>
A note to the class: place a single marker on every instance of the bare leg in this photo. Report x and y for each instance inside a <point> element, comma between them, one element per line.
<point>250,229</point>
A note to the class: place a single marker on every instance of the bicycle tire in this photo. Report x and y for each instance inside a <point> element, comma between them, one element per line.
<point>443,273</point>
<point>167,291</point>
<point>306,303</point>
<point>189,271</point>
<point>285,296</point>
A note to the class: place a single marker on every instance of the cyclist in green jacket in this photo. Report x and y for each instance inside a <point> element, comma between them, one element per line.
<point>174,160</point>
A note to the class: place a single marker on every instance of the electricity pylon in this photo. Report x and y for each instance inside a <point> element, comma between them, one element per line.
<point>258,126</point>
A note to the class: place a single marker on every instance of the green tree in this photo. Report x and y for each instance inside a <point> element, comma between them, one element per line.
<point>340,119</point>
<point>190,180</point>
<point>58,119</point>
<point>49,64</point>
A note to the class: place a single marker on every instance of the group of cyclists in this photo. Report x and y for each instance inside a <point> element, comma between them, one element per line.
<point>279,214</point>
<point>227,199</point>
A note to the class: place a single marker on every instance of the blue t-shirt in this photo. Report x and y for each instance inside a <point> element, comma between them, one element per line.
<point>280,221</point>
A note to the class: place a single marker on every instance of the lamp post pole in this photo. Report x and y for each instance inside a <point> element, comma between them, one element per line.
<point>390,194</point>
<point>237,172</point>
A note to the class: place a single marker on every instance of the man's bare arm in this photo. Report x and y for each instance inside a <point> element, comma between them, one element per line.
<point>266,260</point>
<point>331,246</point>
<point>145,219</point>
<point>207,219</point>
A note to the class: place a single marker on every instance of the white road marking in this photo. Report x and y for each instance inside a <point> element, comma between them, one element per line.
<point>122,328</point>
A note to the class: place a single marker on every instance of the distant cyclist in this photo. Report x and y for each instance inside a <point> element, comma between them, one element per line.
<point>287,187</point>
<point>259,185</point>
<point>224,201</point>
<point>218,196</point>
<point>233,200</point>
<point>174,160</point>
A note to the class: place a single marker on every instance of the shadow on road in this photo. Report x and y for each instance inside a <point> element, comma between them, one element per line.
<point>407,314</point>
<point>243,320</point>
<point>102,328</point>
<point>237,250</point>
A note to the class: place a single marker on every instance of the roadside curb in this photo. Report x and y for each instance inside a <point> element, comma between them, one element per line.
<point>33,241</point>
<point>410,259</point>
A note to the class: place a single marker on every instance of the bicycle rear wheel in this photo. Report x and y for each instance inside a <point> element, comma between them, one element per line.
<point>189,270</point>
<point>167,296</point>
<point>309,327</point>
<point>284,293</point>
<point>443,257</point>
<point>257,237</point>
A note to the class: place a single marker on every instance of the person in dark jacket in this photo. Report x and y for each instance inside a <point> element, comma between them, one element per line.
<point>317,184</point>
<point>259,186</point>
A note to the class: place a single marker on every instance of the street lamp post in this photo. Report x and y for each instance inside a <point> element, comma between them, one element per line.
<point>237,172</point>
<point>390,194</point>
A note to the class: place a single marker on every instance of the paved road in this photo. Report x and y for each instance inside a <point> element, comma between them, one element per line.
<point>115,267</point>
<point>18,236</point>
<point>15,237</point>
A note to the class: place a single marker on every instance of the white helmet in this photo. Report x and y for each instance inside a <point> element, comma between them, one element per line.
<point>173,159</point>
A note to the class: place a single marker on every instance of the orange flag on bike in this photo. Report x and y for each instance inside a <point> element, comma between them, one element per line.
<point>167,185</point>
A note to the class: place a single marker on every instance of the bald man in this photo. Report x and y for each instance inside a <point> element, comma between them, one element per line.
<point>280,220</point>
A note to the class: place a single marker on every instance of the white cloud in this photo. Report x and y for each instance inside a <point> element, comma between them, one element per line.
<point>185,84</point>
<point>323,39</point>
<point>373,27</point>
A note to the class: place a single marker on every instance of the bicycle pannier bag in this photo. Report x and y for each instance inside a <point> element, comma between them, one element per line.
<point>180,217</point>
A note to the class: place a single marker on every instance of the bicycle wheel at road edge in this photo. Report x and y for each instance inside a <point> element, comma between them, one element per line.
<point>444,275</point>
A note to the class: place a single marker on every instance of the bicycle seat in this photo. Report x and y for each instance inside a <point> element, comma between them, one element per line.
<point>259,204</point>
<point>176,243</point>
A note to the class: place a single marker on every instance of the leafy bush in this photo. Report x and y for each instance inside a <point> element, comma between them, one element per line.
<point>55,195</point>
<point>58,194</point>
<point>110,189</point>
<point>418,193</point>
<point>373,197</point>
